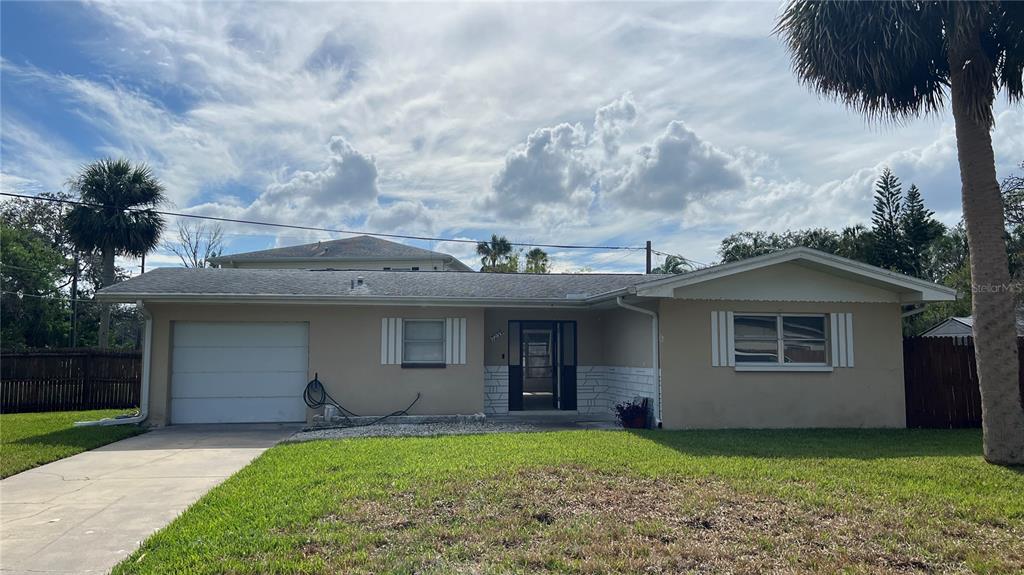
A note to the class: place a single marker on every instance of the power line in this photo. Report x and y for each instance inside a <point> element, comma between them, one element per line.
<point>62,297</point>
<point>328,230</point>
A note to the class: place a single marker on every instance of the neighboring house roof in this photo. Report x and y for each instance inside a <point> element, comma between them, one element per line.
<point>241,284</point>
<point>964,326</point>
<point>358,248</point>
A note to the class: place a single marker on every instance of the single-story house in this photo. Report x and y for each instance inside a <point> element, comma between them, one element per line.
<point>355,253</point>
<point>797,338</point>
<point>964,327</point>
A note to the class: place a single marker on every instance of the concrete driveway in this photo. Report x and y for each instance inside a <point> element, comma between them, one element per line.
<point>85,513</point>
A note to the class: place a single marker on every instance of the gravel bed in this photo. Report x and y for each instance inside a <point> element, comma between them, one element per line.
<point>422,429</point>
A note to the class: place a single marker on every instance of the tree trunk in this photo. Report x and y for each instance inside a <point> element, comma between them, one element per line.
<point>103,336</point>
<point>995,337</point>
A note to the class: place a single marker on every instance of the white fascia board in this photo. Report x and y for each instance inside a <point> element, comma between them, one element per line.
<point>926,290</point>
<point>230,299</point>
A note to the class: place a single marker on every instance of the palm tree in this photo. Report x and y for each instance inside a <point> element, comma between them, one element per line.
<point>894,61</point>
<point>493,252</point>
<point>673,265</point>
<point>116,217</point>
<point>536,261</point>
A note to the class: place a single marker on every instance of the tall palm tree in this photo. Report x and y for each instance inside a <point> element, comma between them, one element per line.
<point>117,217</point>
<point>536,261</point>
<point>894,61</point>
<point>493,251</point>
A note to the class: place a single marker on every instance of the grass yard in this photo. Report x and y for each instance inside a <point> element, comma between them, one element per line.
<point>904,501</point>
<point>29,440</point>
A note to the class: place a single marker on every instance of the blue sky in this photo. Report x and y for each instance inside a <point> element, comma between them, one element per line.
<point>583,123</point>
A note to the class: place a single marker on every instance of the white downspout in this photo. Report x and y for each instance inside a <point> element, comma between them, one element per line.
<point>147,345</point>
<point>656,359</point>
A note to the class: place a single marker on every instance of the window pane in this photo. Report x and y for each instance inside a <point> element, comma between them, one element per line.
<point>754,351</point>
<point>423,352</point>
<point>755,326</point>
<point>803,326</point>
<point>424,330</point>
<point>805,351</point>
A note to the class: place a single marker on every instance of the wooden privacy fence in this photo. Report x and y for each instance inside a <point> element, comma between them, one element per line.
<point>941,381</point>
<point>69,379</point>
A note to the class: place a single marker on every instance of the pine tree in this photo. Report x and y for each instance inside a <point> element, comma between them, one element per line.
<point>919,231</point>
<point>887,228</point>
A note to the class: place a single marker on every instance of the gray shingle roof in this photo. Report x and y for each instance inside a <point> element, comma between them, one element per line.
<point>241,282</point>
<point>358,247</point>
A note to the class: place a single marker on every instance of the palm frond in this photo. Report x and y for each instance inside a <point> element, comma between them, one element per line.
<point>886,60</point>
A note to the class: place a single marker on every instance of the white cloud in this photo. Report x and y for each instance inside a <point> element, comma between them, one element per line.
<point>409,217</point>
<point>675,169</point>
<point>612,120</point>
<point>548,171</point>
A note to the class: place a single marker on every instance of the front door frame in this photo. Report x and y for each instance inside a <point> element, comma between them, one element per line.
<point>564,377</point>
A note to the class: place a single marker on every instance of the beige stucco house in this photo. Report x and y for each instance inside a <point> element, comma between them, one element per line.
<point>797,338</point>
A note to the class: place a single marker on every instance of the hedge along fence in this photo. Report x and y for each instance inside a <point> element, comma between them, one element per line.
<point>69,380</point>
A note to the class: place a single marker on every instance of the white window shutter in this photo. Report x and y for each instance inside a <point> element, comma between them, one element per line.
<point>842,339</point>
<point>455,340</point>
<point>390,340</point>
<point>722,339</point>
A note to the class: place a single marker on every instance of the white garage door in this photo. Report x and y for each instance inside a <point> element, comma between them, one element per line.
<point>238,372</point>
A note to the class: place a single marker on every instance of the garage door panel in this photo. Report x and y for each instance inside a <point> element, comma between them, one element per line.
<point>277,384</point>
<point>239,334</point>
<point>239,360</point>
<point>235,410</point>
<point>238,372</point>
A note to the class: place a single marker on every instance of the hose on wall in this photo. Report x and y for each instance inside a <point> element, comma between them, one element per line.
<point>316,396</point>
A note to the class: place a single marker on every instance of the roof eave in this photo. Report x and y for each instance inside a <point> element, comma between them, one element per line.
<point>205,298</point>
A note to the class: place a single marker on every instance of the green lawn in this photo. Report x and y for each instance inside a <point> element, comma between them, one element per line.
<point>29,440</point>
<point>608,502</point>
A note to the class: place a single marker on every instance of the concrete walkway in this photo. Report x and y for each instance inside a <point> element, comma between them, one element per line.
<point>86,513</point>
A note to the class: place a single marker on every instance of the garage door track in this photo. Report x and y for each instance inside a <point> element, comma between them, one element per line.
<point>85,513</point>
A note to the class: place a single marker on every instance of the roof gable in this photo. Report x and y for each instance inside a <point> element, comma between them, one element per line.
<point>815,276</point>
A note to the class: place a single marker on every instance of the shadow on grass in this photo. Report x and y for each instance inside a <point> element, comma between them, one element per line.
<point>821,443</point>
<point>79,437</point>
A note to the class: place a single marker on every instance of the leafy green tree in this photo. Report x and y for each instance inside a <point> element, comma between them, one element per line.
<point>856,243</point>
<point>35,314</point>
<point>887,224</point>
<point>493,253</point>
<point>919,230</point>
<point>1012,188</point>
<point>118,218</point>
<point>537,261</point>
<point>895,61</point>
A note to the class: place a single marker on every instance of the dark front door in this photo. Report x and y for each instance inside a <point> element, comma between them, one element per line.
<point>542,365</point>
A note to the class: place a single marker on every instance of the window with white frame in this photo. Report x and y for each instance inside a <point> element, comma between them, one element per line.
<point>780,339</point>
<point>423,341</point>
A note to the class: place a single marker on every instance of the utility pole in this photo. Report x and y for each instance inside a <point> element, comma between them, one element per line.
<point>143,263</point>
<point>648,256</point>
<point>74,304</point>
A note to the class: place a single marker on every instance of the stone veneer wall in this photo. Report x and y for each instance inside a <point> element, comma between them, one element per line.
<point>495,389</point>
<point>598,387</point>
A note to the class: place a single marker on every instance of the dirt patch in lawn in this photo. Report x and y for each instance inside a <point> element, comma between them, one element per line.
<point>583,521</point>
